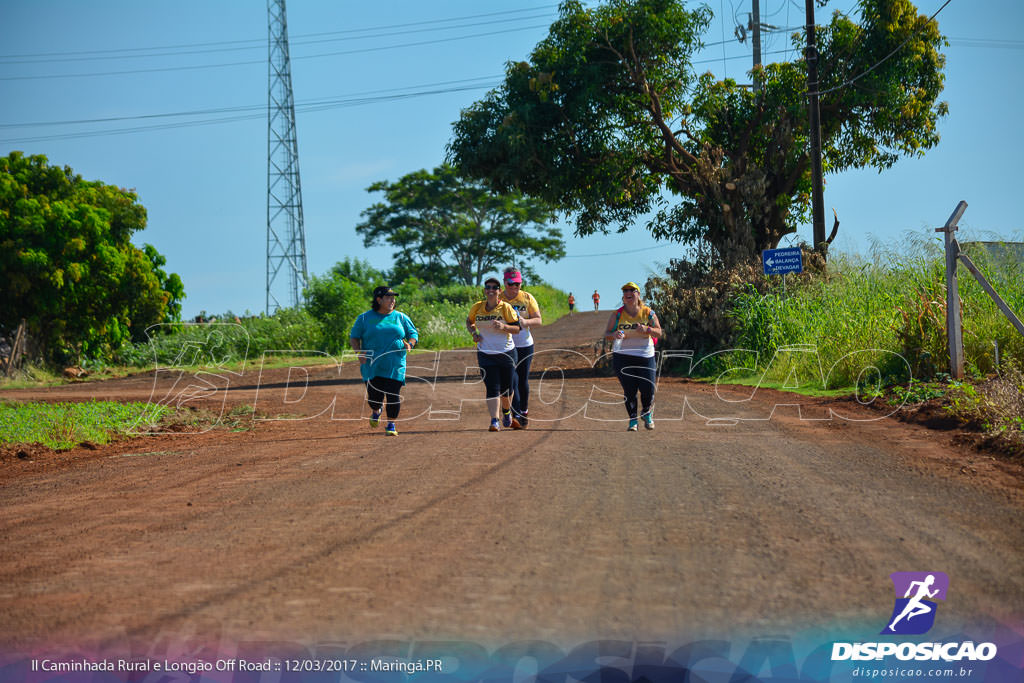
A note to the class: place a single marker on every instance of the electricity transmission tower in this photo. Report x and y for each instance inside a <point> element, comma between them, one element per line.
<point>286,238</point>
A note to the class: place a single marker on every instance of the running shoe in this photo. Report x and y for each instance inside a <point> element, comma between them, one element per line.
<point>390,429</point>
<point>506,419</point>
<point>524,421</point>
<point>374,420</point>
<point>633,425</point>
<point>519,422</point>
<point>495,427</point>
<point>648,420</point>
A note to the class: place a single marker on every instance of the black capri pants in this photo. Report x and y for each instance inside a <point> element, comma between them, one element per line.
<point>636,374</point>
<point>521,380</point>
<point>381,389</point>
<point>497,370</point>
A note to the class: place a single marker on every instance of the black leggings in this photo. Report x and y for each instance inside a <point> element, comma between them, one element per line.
<point>521,380</point>
<point>635,374</point>
<point>379,388</point>
<point>497,370</point>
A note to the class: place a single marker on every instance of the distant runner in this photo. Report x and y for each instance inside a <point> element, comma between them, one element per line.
<point>572,302</point>
<point>597,299</point>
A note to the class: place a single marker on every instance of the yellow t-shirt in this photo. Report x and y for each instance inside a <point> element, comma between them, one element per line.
<point>635,346</point>
<point>493,340</point>
<point>526,306</point>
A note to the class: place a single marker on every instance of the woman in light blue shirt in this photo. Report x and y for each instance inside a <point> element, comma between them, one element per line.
<point>383,336</point>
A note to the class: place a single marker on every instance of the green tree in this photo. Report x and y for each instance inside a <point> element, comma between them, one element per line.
<point>610,120</point>
<point>337,298</point>
<point>69,268</point>
<point>448,228</point>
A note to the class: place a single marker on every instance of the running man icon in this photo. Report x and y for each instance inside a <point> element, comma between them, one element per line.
<point>918,589</point>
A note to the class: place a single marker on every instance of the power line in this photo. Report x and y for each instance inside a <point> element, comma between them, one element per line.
<point>988,42</point>
<point>241,108</point>
<point>616,253</point>
<point>261,42</point>
<point>220,47</point>
<point>717,59</point>
<point>305,108</point>
<point>250,63</point>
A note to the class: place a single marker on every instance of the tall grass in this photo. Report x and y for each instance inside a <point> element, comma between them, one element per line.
<point>888,312</point>
<point>440,314</point>
<point>224,341</point>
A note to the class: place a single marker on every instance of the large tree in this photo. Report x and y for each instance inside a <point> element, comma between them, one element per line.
<point>447,228</point>
<point>69,269</point>
<point>610,119</point>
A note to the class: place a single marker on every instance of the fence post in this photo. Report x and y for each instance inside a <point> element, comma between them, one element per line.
<point>16,349</point>
<point>954,332</point>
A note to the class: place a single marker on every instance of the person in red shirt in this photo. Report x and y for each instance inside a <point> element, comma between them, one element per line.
<point>597,299</point>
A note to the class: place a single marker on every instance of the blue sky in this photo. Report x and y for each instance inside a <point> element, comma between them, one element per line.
<point>204,186</point>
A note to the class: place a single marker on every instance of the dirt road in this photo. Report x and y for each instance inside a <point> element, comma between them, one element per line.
<point>733,516</point>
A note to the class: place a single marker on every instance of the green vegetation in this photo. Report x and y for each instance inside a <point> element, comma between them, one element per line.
<point>224,342</point>
<point>996,405</point>
<point>61,426</point>
<point>439,312</point>
<point>65,425</point>
<point>888,314</point>
<point>335,300</point>
<point>450,229</point>
<point>69,267</point>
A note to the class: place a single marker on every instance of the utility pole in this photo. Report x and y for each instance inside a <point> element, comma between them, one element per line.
<point>286,237</point>
<point>755,27</point>
<point>817,190</point>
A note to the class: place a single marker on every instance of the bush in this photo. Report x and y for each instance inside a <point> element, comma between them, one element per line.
<point>889,313</point>
<point>699,309</point>
<point>226,339</point>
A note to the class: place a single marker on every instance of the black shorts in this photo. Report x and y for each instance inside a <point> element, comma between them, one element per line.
<point>497,370</point>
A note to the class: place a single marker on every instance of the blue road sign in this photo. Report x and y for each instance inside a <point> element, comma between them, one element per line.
<point>782,261</point>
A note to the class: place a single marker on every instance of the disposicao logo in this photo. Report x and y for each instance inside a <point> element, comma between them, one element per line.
<point>913,613</point>
<point>916,592</point>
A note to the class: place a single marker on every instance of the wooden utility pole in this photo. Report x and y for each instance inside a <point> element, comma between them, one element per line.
<point>817,189</point>
<point>755,27</point>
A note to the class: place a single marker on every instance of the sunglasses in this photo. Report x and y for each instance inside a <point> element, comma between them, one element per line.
<point>513,284</point>
<point>492,287</point>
